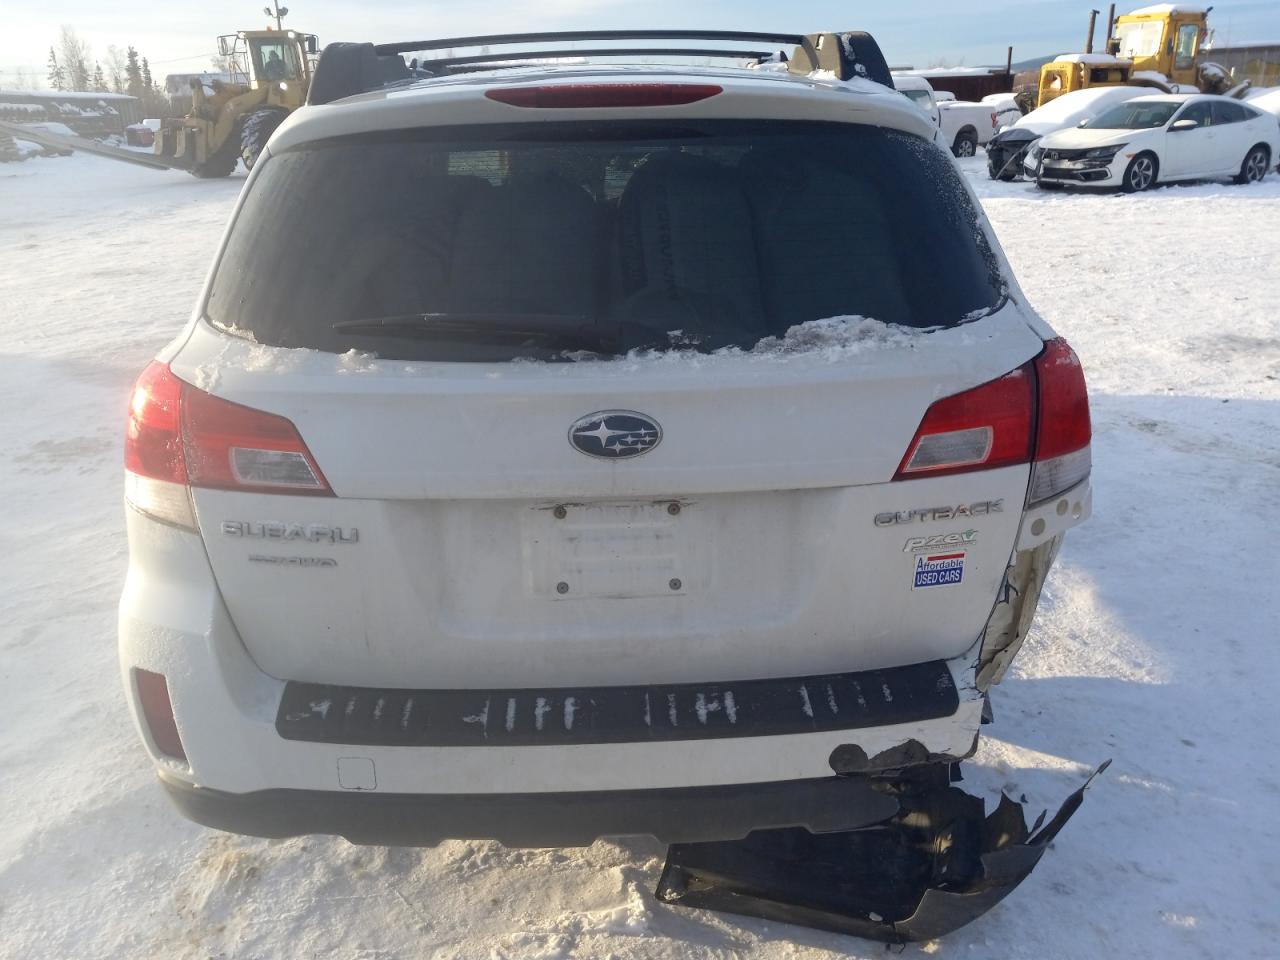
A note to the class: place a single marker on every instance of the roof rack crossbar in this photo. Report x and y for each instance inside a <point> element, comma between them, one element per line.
<point>513,56</point>
<point>347,69</point>
<point>503,39</point>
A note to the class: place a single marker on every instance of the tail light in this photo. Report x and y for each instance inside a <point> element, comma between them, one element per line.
<point>1064,432</point>
<point>981,429</point>
<point>157,712</point>
<point>1038,413</point>
<point>585,95</point>
<point>180,437</point>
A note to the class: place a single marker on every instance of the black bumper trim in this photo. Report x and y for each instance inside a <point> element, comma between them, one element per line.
<point>673,815</point>
<point>321,713</point>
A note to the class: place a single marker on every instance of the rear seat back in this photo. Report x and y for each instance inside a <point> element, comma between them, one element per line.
<point>527,246</point>
<point>686,245</point>
<point>813,219</point>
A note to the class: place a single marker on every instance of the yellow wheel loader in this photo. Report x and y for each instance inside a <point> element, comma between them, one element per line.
<point>230,120</point>
<point>1156,46</point>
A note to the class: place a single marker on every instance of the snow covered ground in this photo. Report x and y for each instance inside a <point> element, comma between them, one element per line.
<point>1156,642</point>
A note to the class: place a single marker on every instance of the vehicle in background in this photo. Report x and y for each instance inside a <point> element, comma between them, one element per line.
<point>1006,109</point>
<point>1008,148</point>
<point>272,73</point>
<point>1156,47</point>
<point>920,92</point>
<point>229,122</point>
<point>142,134</point>
<point>965,126</point>
<point>1160,138</point>
<point>1266,99</point>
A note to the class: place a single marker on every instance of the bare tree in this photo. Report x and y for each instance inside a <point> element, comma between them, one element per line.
<point>117,75</point>
<point>23,79</point>
<point>75,57</point>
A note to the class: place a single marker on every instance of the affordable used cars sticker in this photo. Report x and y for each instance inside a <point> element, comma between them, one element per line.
<point>938,570</point>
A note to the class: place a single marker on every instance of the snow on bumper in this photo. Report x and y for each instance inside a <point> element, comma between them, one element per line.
<point>172,622</point>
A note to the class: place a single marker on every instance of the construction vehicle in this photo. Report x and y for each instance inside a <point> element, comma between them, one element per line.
<point>230,120</point>
<point>1157,46</point>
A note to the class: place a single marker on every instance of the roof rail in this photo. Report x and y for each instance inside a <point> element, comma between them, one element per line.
<point>507,39</point>
<point>347,69</point>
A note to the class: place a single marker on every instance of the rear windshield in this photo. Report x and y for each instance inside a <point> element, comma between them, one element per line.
<point>491,243</point>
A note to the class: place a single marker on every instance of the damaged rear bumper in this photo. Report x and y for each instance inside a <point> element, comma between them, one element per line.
<point>539,819</point>
<point>934,867</point>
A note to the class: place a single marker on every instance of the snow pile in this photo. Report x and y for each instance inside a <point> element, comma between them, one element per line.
<point>1070,108</point>
<point>952,71</point>
<point>1163,9</point>
<point>1093,59</point>
<point>1162,660</point>
<point>835,339</point>
<point>819,342</point>
<point>61,129</point>
<point>1265,98</point>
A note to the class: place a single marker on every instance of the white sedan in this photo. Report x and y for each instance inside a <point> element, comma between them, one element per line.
<point>1159,139</point>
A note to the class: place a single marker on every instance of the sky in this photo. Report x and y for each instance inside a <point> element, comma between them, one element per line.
<point>180,37</point>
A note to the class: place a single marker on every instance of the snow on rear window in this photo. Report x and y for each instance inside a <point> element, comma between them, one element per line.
<point>550,240</point>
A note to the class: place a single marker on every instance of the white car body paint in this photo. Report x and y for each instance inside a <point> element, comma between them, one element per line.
<point>1215,151</point>
<point>951,115</point>
<point>449,473</point>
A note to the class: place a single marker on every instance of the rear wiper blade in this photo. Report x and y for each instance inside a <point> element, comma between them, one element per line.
<point>548,329</point>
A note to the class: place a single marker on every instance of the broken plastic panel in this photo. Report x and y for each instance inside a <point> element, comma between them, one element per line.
<point>935,867</point>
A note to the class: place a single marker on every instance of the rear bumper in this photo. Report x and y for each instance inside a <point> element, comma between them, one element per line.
<point>359,780</point>
<point>677,815</point>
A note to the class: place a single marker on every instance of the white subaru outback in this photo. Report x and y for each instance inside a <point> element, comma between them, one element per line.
<point>562,451</point>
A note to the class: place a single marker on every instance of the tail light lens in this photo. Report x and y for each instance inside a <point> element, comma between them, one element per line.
<point>232,447</point>
<point>987,427</point>
<point>1039,413</point>
<point>584,95</point>
<point>1064,431</point>
<point>153,438</point>
<point>157,712</point>
<point>180,437</point>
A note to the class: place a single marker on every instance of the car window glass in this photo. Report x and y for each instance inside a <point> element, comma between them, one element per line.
<point>1226,112</point>
<point>1184,53</point>
<point>1139,38</point>
<point>1135,115</point>
<point>277,61</point>
<point>919,97</point>
<point>727,231</point>
<point>1201,113</point>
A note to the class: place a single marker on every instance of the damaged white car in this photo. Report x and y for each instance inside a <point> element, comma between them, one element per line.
<point>559,452</point>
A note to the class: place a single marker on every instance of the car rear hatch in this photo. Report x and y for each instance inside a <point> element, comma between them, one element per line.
<point>609,403</point>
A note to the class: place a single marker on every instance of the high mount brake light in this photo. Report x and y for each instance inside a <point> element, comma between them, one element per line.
<point>586,95</point>
<point>983,428</point>
<point>1038,413</point>
<point>179,437</point>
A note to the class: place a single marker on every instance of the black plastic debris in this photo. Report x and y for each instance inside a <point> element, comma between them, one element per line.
<point>936,866</point>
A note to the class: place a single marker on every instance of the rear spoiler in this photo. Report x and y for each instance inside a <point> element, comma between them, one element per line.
<point>348,69</point>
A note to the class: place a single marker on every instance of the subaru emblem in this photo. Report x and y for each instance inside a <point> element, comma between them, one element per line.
<point>614,434</point>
